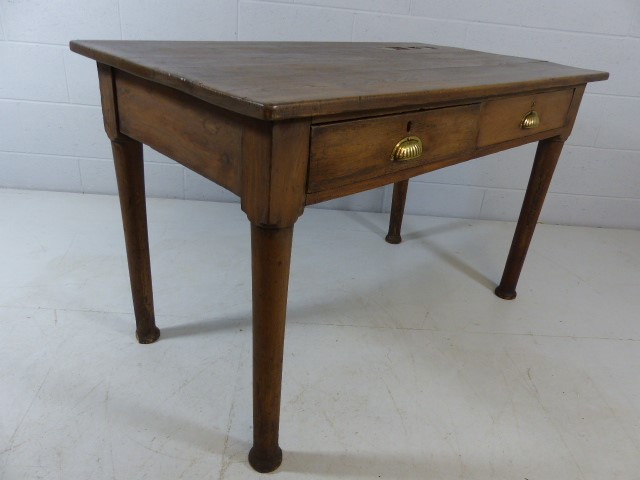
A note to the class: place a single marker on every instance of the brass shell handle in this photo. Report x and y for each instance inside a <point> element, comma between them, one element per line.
<point>530,120</point>
<point>407,149</point>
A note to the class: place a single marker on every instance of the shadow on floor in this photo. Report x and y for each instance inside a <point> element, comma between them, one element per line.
<point>424,237</point>
<point>206,326</point>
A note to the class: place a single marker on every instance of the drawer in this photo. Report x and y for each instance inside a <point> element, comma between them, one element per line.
<point>344,152</point>
<point>501,119</point>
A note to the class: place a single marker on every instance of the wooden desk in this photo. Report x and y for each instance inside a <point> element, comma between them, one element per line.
<point>285,125</point>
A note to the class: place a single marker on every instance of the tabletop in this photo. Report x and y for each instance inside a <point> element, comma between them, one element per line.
<point>280,80</point>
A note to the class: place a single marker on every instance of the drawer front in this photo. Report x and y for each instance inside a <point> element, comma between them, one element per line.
<point>344,152</point>
<point>502,119</point>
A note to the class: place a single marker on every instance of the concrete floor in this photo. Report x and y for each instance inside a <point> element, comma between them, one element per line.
<point>399,363</point>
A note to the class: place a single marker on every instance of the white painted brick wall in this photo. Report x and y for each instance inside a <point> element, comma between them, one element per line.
<point>51,134</point>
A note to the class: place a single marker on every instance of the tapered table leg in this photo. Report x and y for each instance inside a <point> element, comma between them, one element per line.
<point>397,211</point>
<point>127,155</point>
<point>270,259</point>
<point>544,165</point>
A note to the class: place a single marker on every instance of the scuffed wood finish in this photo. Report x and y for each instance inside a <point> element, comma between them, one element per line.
<point>275,171</point>
<point>286,125</point>
<point>500,119</point>
<point>367,184</point>
<point>127,155</point>
<point>345,154</point>
<point>573,111</point>
<point>342,152</point>
<point>108,98</point>
<point>397,211</point>
<point>279,80</point>
<point>544,165</point>
<point>270,260</point>
<point>203,138</point>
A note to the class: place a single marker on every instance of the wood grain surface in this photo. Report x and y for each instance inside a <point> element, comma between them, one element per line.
<point>277,80</point>
<point>342,152</point>
<point>200,136</point>
<point>500,118</point>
